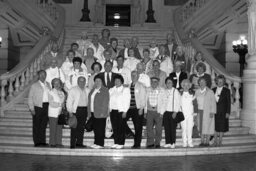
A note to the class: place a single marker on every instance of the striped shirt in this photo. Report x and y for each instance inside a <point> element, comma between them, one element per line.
<point>133,102</point>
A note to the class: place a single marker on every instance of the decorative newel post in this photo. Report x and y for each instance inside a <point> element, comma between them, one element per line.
<point>85,12</point>
<point>150,13</point>
<point>248,115</point>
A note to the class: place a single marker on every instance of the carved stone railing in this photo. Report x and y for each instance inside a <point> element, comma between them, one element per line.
<point>192,45</point>
<point>191,7</point>
<point>16,82</point>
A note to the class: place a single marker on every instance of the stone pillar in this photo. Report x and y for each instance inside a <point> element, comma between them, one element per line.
<point>85,12</point>
<point>248,114</point>
<point>150,13</point>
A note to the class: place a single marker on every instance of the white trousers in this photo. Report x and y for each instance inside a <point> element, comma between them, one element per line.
<point>187,128</point>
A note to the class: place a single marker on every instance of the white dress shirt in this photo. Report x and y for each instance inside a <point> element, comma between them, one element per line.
<point>52,73</point>
<point>187,103</point>
<point>167,66</point>
<point>92,98</point>
<point>120,98</point>
<point>126,74</point>
<point>173,103</point>
<point>144,80</point>
<point>131,63</point>
<point>67,66</point>
<point>154,52</point>
<point>98,53</point>
<point>178,79</point>
<point>217,93</point>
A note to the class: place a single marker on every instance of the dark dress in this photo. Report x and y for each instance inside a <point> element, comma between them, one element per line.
<point>223,107</point>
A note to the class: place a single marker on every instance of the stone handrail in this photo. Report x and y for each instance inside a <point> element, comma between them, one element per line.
<point>191,7</point>
<point>192,45</point>
<point>14,82</point>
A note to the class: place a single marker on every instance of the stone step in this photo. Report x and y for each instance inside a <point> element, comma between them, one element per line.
<point>235,139</point>
<point>26,118</point>
<point>119,154</point>
<point>27,130</point>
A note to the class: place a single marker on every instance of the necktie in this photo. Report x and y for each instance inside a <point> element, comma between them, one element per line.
<point>108,79</point>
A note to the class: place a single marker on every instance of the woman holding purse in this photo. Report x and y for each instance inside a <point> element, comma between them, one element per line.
<point>98,108</point>
<point>56,100</point>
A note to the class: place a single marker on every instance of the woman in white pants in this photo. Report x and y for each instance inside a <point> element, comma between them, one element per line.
<point>187,107</point>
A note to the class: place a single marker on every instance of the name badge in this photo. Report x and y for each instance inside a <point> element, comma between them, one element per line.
<point>175,78</point>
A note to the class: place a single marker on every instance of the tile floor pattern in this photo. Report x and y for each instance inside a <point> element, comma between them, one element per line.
<point>230,162</point>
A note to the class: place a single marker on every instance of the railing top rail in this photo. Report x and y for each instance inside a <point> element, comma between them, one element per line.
<point>38,48</point>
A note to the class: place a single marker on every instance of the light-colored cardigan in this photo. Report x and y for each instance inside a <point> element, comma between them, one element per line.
<point>35,96</point>
<point>140,93</point>
<point>73,98</point>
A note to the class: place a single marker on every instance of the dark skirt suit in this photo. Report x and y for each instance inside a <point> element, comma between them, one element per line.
<point>99,113</point>
<point>223,107</point>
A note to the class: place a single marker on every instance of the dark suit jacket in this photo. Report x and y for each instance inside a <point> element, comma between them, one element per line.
<point>112,81</point>
<point>101,103</point>
<point>224,103</point>
<point>182,77</point>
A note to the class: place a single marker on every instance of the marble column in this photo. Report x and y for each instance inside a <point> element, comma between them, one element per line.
<point>248,114</point>
<point>150,13</point>
<point>85,12</point>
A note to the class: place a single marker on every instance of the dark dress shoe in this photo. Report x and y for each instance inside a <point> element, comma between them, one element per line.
<point>72,147</point>
<point>37,145</point>
<point>44,145</point>
<point>80,146</point>
<point>151,146</point>
<point>130,135</point>
<point>135,147</point>
<point>157,146</point>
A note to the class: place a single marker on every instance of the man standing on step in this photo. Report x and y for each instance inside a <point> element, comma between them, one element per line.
<point>77,102</point>
<point>38,105</point>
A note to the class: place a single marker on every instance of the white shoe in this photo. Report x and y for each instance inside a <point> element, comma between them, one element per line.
<point>167,146</point>
<point>172,145</point>
<point>120,147</point>
<point>114,146</point>
<point>99,147</point>
<point>185,145</point>
<point>191,145</point>
<point>93,146</point>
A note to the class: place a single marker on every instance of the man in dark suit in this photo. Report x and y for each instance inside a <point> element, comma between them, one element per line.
<point>170,45</point>
<point>178,76</point>
<point>108,76</point>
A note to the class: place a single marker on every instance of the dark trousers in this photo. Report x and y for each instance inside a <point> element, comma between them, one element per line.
<point>169,128</point>
<point>40,120</point>
<point>77,134</point>
<point>137,122</point>
<point>99,126</point>
<point>118,126</point>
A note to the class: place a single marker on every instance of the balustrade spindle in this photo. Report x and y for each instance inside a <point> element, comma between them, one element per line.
<point>10,89</point>
<point>237,97</point>
<point>17,86</point>
<point>22,81</point>
<point>35,67</point>
<point>31,72</point>
<point>27,76</point>
<point>3,93</point>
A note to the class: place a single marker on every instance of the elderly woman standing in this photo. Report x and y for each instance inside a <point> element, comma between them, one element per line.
<point>56,99</point>
<point>98,103</point>
<point>119,104</point>
<point>96,68</point>
<point>223,98</point>
<point>171,107</point>
<point>188,109</point>
<point>206,111</point>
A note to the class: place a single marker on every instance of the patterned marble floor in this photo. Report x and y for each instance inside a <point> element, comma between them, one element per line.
<point>232,162</point>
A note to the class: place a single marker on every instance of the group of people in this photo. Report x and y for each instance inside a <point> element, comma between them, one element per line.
<point>98,80</point>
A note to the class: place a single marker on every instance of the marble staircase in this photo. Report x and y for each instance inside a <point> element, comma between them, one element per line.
<point>16,137</point>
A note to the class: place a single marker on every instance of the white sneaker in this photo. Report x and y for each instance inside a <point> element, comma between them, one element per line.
<point>167,146</point>
<point>172,145</point>
<point>120,147</point>
<point>185,145</point>
<point>191,145</point>
<point>93,146</point>
<point>98,147</point>
<point>114,146</point>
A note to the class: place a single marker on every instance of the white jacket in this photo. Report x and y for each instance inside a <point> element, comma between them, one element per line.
<point>119,98</point>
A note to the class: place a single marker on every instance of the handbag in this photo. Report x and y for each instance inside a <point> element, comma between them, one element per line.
<point>89,124</point>
<point>179,116</point>
<point>64,115</point>
<point>108,131</point>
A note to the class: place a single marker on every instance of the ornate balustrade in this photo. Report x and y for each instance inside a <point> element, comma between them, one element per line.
<point>17,81</point>
<point>192,45</point>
